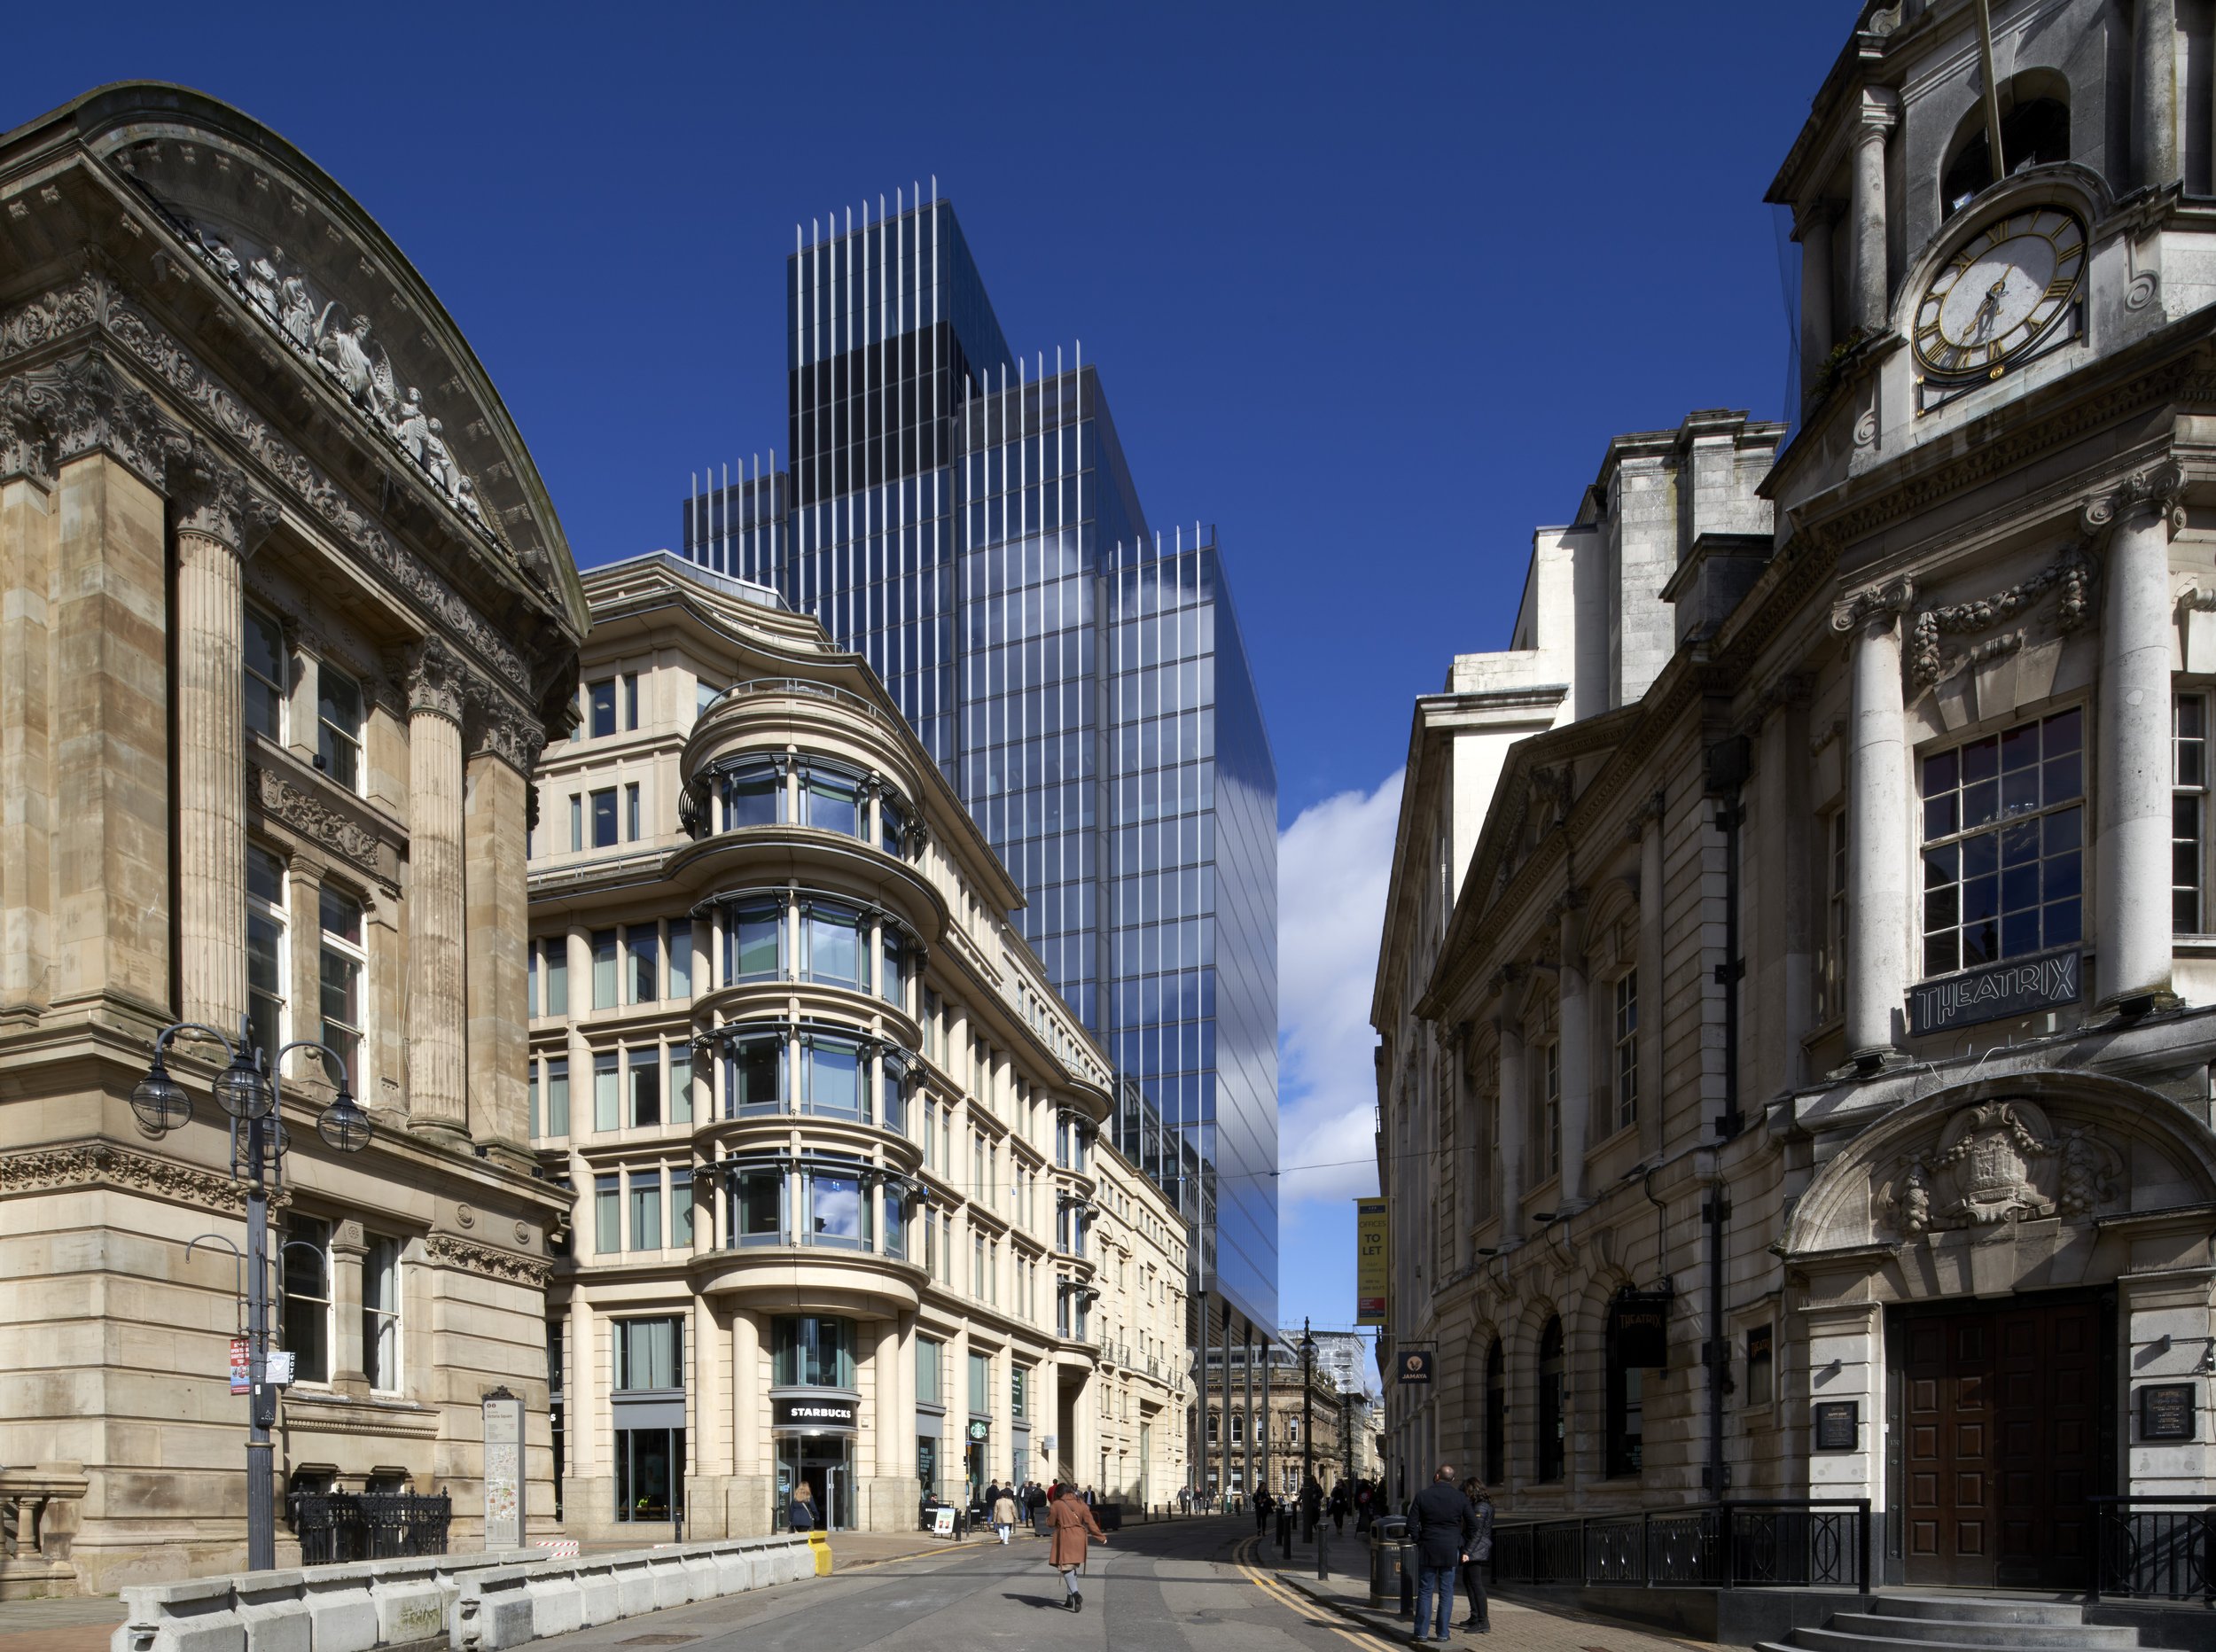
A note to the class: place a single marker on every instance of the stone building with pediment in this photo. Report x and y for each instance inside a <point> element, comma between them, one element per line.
<point>285,613</point>
<point>1796,1037</point>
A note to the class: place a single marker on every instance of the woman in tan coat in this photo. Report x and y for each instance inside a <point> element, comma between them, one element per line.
<point>1071,1529</point>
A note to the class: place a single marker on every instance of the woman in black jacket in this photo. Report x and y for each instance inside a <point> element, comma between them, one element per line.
<point>1481,1619</point>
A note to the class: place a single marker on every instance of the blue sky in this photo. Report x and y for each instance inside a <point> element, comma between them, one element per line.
<point>1369,287</point>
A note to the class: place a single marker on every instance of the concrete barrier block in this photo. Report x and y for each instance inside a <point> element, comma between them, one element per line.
<point>557,1602</point>
<point>412,1608</point>
<point>341,1617</point>
<point>493,1609</point>
<point>599,1593</point>
<point>199,1615</point>
<point>273,1607</point>
<point>666,1573</point>
<point>734,1571</point>
<point>634,1585</point>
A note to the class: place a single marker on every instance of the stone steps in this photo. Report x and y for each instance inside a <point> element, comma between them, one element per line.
<point>1937,1622</point>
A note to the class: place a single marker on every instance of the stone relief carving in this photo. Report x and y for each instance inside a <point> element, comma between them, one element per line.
<point>2070,575</point>
<point>92,300</point>
<point>314,819</point>
<point>2000,1161</point>
<point>1888,600</point>
<point>340,343</point>
<point>492,725</point>
<point>489,1261</point>
<point>2159,487</point>
<point>98,1163</point>
<point>213,498</point>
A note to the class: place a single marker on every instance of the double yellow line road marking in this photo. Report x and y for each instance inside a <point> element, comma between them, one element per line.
<point>1249,1549</point>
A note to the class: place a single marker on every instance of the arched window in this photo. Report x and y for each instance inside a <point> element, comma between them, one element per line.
<point>1496,1415</point>
<point>1626,1410</point>
<point>1550,1406</point>
<point>2034,131</point>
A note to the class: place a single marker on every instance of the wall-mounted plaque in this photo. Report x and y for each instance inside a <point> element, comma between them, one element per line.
<point>2014,986</point>
<point>1641,1322</point>
<point>2166,1411</point>
<point>1839,1424</point>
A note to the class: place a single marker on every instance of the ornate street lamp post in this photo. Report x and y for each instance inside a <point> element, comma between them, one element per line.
<point>252,1096</point>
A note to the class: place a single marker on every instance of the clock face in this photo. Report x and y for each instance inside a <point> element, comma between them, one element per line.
<point>2000,293</point>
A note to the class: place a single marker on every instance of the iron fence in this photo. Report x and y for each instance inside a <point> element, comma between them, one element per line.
<point>1757,1543</point>
<point>368,1525</point>
<point>2154,1548</point>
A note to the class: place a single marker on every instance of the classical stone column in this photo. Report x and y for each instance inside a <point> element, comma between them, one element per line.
<point>1878,110</point>
<point>2131,891</point>
<point>1514,1101</point>
<point>437,1092</point>
<point>29,517</point>
<point>217,520</point>
<point>1877,836</point>
<point>746,1396</point>
<point>1577,1049</point>
<point>503,742</point>
<point>348,1247</point>
<point>1813,230</point>
<point>2155,48</point>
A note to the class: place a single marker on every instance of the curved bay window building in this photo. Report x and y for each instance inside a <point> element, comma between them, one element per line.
<point>845,1213</point>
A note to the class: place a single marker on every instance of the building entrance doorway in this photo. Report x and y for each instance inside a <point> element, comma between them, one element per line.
<point>1999,1431</point>
<point>826,1463</point>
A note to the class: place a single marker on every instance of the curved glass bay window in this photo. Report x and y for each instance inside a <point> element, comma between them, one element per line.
<point>751,792</point>
<point>779,934</point>
<point>826,1200</point>
<point>754,938</point>
<point>835,943</point>
<point>2003,844</point>
<point>837,1208</point>
<point>834,799</point>
<point>820,1068</point>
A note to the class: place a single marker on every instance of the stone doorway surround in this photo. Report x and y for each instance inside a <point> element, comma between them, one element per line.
<point>2026,1182</point>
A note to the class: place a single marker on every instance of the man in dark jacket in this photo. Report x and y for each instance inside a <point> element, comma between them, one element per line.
<point>1441,1524</point>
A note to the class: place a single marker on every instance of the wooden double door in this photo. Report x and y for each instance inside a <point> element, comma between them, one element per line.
<point>2001,1429</point>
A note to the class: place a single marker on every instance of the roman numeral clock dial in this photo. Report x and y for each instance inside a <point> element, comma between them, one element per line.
<point>2007,291</point>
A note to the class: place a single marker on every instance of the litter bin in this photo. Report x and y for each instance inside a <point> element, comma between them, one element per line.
<point>1388,1559</point>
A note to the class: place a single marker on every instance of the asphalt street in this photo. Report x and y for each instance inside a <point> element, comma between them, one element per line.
<point>1158,1589</point>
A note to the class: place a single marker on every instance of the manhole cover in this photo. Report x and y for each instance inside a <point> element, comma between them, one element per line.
<point>657,1640</point>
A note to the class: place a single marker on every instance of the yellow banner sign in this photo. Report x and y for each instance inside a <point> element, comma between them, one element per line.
<point>1370,1262</point>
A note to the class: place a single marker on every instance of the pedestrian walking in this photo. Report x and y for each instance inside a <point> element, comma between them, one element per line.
<point>1075,1530</point>
<point>1480,1619</point>
<point>1441,1524</point>
<point>1263,1503</point>
<point>1339,1510</point>
<point>802,1515</point>
<point>1004,1515</point>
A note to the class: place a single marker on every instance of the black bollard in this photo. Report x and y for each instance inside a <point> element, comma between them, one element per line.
<point>1284,1533</point>
<point>1323,1552</point>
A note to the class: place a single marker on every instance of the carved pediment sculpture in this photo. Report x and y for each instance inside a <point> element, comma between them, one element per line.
<point>1998,1161</point>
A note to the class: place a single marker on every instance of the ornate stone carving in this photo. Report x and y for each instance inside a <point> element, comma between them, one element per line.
<point>176,369</point>
<point>2070,575</point>
<point>438,681</point>
<point>341,345</point>
<point>312,818</point>
<point>213,498</point>
<point>2000,1161</point>
<point>50,315</point>
<point>497,726</point>
<point>100,1165</point>
<point>490,1261</point>
<point>30,407</point>
<point>55,414</point>
<point>2160,488</point>
<point>1887,600</point>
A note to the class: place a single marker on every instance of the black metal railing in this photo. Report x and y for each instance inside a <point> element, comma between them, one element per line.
<point>1757,1543</point>
<point>368,1525</point>
<point>2154,1548</point>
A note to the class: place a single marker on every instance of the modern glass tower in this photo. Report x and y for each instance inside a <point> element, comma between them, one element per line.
<point>964,519</point>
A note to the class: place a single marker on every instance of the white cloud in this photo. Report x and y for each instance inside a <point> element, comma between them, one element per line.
<point>1332,865</point>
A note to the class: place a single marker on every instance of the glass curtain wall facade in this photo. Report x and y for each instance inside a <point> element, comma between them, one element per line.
<point>964,519</point>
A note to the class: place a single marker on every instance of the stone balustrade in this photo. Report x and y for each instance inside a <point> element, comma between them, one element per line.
<point>468,1602</point>
<point>38,1517</point>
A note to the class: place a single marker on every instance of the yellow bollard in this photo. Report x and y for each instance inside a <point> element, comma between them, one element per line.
<point>820,1546</point>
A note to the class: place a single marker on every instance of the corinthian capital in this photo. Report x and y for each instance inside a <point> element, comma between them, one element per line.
<point>437,680</point>
<point>30,407</point>
<point>2157,490</point>
<point>213,497</point>
<point>495,727</point>
<point>1887,600</point>
<point>99,411</point>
